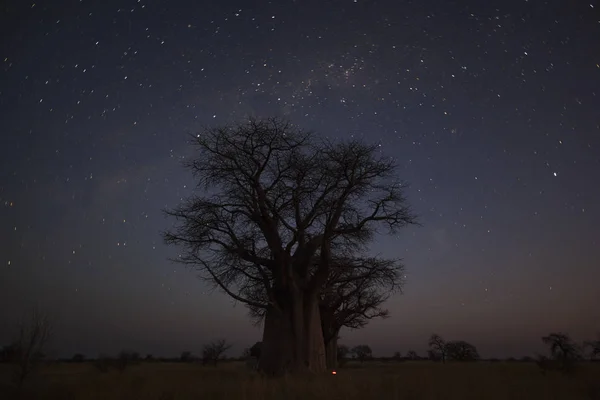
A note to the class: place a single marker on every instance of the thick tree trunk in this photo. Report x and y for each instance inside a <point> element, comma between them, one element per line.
<point>330,336</point>
<point>293,338</point>
<point>331,353</point>
<point>277,349</point>
<point>315,344</point>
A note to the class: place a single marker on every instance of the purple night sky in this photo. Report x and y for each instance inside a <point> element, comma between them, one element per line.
<point>491,108</point>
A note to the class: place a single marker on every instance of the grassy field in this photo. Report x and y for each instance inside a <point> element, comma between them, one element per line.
<point>405,380</point>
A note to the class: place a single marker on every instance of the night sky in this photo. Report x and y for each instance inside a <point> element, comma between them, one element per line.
<point>491,109</point>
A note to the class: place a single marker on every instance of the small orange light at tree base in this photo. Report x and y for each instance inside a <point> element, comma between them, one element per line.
<point>333,373</point>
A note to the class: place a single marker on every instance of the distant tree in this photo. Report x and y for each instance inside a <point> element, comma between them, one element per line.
<point>460,350</point>
<point>563,350</point>
<point>594,348</point>
<point>362,352</point>
<point>213,352</point>
<point>277,198</point>
<point>149,357</point>
<point>437,348</point>
<point>186,356</point>
<point>28,349</point>
<point>561,346</point>
<point>397,356</point>
<point>342,354</point>
<point>78,358</point>
<point>412,355</point>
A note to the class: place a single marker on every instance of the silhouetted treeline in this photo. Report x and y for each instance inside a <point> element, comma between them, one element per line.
<point>563,355</point>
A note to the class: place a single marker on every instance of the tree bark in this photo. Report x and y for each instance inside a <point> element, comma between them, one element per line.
<point>331,353</point>
<point>315,344</point>
<point>277,349</point>
<point>293,338</point>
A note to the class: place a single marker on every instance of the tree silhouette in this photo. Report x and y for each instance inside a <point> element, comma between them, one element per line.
<point>460,350</point>
<point>362,352</point>
<point>412,355</point>
<point>562,349</point>
<point>27,351</point>
<point>213,352</point>
<point>279,197</point>
<point>437,348</point>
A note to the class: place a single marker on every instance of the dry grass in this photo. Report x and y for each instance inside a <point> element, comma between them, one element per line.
<point>408,380</point>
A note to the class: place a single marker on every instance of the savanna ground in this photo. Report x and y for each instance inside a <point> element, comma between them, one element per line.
<point>371,380</point>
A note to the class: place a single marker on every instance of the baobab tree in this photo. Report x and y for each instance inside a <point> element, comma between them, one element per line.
<point>276,198</point>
